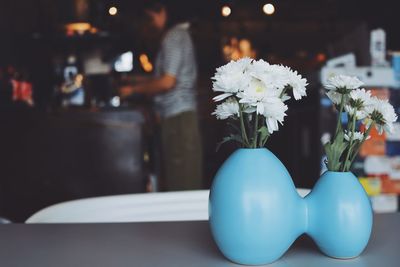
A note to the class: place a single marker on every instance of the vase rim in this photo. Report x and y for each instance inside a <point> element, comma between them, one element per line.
<point>249,149</point>
<point>338,172</point>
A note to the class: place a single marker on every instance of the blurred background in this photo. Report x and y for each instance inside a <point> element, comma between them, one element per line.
<point>66,134</point>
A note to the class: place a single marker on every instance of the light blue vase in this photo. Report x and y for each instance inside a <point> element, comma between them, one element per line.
<point>255,212</point>
<point>339,215</point>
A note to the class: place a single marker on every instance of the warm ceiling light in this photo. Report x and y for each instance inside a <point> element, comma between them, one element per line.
<point>321,57</point>
<point>113,11</point>
<point>145,63</point>
<point>269,9</point>
<point>79,27</point>
<point>226,11</point>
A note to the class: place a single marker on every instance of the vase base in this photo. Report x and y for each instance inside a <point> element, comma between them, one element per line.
<point>253,264</point>
<point>342,258</point>
<point>248,263</point>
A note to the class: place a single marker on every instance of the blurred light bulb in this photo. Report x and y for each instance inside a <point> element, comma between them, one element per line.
<point>115,101</point>
<point>145,63</point>
<point>226,11</point>
<point>113,11</point>
<point>269,9</point>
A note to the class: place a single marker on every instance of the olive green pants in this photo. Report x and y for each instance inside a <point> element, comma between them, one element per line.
<point>182,159</point>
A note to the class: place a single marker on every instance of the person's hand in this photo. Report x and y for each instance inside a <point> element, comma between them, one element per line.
<point>125,91</point>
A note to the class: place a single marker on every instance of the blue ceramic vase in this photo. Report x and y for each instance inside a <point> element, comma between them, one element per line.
<point>255,212</point>
<point>339,215</point>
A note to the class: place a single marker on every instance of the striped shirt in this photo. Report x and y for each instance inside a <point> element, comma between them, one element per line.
<point>176,57</point>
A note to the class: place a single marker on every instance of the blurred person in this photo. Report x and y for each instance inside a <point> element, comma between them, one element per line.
<point>173,88</point>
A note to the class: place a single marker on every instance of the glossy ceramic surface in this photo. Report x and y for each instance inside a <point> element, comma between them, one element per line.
<point>255,212</point>
<point>339,215</point>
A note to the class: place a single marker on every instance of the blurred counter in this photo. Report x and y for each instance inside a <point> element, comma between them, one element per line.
<point>47,158</point>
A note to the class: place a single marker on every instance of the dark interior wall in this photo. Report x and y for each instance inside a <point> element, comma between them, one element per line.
<point>310,25</point>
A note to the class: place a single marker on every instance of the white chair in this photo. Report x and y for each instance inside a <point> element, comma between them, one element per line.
<point>4,220</point>
<point>147,207</point>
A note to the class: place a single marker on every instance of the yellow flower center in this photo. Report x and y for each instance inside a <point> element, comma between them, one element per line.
<point>259,86</point>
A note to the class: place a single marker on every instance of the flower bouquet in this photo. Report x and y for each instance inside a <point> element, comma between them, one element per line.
<point>360,106</point>
<point>253,94</point>
<point>253,201</point>
<point>339,205</point>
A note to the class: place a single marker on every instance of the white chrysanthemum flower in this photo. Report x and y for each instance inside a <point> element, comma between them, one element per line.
<point>227,109</point>
<point>274,112</point>
<point>298,84</point>
<point>275,77</point>
<point>358,103</point>
<point>358,136</point>
<point>258,66</point>
<point>271,107</point>
<point>231,78</point>
<point>343,83</point>
<point>285,97</point>
<point>334,96</point>
<point>383,114</point>
<point>259,88</point>
<point>256,91</point>
<point>325,138</point>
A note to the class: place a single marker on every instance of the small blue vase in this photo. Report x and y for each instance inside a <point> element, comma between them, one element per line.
<point>339,215</point>
<point>255,212</point>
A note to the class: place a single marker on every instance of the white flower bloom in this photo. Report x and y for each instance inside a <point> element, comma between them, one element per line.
<point>325,138</point>
<point>358,136</point>
<point>361,94</point>
<point>231,78</point>
<point>383,114</point>
<point>272,108</point>
<point>227,109</point>
<point>298,84</point>
<point>275,77</point>
<point>343,82</point>
<point>238,76</point>
<point>334,96</point>
<point>256,91</point>
<point>358,103</point>
<point>258,87</point>
<point>285,97</point>
<point>273,112</point>
<point>339,86</point>
<point>258,67</point>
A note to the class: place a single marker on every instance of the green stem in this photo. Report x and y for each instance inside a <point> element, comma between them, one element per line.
<point>265,141</point>
<point>366,134</point>
<point>242,127</point>
<point>255,131</point>
<point>339,122</point>
<point>260,141</point>
<point>346,165</point>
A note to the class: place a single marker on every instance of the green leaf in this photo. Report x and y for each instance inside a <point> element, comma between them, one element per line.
<point>232,137</point>
<point>234,127</point>
<point>264,134</point>
<point>334,151</point>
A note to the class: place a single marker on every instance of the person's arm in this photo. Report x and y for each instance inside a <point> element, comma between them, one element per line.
<point>137,78</point>
<point>151,86</point>
<point>172,47</point>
